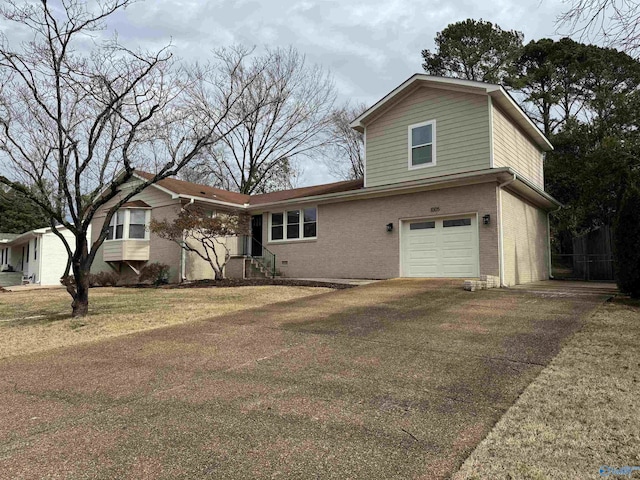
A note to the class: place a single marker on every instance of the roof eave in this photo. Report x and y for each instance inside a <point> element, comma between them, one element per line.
<point>504,99</point>
<point>212,201</point>
<point>406,187</point>
<point>534,192</point>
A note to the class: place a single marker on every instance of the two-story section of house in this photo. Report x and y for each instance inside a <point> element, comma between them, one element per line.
<point>453,187</point>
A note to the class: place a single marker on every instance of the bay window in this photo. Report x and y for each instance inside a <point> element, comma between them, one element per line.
<point>299,224</point>
<point>130,223</point>
<point>137,223</point>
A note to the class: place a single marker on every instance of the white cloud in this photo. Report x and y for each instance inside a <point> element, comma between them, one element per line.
<point>370,46</point>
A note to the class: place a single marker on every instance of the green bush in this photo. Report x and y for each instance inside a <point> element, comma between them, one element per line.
<point>156,273</point>
<point>627,243</point>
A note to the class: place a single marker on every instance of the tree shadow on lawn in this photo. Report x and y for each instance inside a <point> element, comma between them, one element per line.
<point>41,317</point>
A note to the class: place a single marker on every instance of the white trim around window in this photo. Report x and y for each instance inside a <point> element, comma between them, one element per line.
<point>290,218</point>
<point>127,224</point>
<point>411,147</point>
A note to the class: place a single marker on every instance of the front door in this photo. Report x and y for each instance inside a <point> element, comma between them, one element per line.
<point>256,235</point>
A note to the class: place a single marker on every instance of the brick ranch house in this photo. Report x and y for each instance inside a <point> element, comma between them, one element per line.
<point>453,187</point>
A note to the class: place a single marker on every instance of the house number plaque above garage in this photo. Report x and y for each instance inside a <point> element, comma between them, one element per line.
<point>435,209</point>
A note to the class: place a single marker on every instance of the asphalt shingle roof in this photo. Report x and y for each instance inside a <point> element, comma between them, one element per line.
<point>181,187</point>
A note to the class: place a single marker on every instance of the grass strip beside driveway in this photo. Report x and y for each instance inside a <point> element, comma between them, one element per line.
<point>38,320</point>
<point>582,413</point>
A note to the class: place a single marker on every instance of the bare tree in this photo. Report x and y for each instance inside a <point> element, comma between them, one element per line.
<point>345,149</point>
<point>614,22</point>
<point>284,114</point>
<point>206,236</point>
<point>78,115</point>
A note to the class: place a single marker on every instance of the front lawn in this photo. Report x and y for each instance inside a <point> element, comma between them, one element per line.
<point>38,320</point>
<point>580,415</point>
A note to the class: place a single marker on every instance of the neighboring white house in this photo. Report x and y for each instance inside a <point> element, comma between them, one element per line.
<point>39,254</point>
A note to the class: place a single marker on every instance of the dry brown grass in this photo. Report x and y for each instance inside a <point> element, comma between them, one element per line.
<point>581,413</point>
<point>38,320</point>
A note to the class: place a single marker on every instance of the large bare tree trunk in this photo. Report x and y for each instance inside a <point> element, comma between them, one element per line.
<point>81,265</point>
<point>80,304</point>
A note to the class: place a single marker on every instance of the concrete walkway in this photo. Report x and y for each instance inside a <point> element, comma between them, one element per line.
<point>565,287</point>
<point>396,379</point>
<point>344,281</point>
<point>31,286</point>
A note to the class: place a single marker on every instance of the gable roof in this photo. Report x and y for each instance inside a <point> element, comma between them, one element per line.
<point>497,93</point>
<point>180,187</point>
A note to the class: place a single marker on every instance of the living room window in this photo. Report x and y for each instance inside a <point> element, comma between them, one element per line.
<point>299,224</point>
<point>422,144</point>
<point>130,223</point>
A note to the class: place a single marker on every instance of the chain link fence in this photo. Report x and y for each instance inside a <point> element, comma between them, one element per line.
<point>583,267</point>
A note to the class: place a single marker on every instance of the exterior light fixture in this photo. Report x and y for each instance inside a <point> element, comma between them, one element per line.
<point>389,227</point>
<point>486,220</point>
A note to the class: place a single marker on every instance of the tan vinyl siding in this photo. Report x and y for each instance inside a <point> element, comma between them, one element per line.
<point>526,247</point>
<point>512,148</point>
<point>133,250</point>
<point>462,136</point>
<point>151,196</point>
<point>353,242</point>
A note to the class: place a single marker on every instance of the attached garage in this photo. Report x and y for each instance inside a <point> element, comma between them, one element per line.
<point>440,247</point>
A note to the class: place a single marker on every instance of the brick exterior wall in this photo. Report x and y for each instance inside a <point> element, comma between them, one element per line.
<point>525,237</point>
<point>353,242</point>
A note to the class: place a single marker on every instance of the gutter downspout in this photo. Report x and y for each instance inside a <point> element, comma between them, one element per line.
<point>183,253</point>
<point>501,235</point>
<point>549,239</point>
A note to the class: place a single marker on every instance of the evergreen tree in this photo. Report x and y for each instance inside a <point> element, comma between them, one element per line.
<point>18,214</point>
<point>627,242</point>
<point>473,50</point>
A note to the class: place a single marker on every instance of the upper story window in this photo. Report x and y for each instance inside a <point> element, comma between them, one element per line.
<point>422,144</point>
<point>130,223</point>
<point>293,225</point>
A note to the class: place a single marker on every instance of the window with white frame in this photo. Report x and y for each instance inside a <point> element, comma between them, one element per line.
<point>422,144</point>
<point>296,224</point>
<point>137,223</point>
<point>130,223</point>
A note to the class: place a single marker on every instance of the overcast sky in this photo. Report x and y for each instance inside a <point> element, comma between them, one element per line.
<point>369,46</point>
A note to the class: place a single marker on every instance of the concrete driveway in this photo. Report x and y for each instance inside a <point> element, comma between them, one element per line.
<point>397,379</point>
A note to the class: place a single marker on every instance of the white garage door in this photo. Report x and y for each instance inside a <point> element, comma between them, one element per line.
<point>443,247</point>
